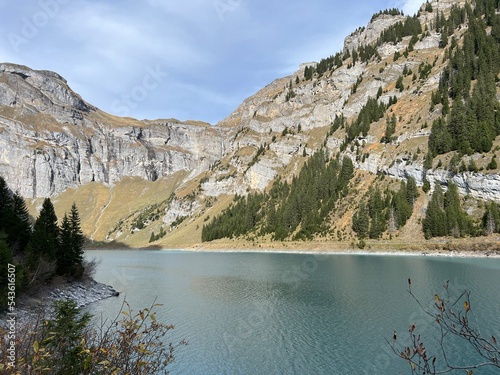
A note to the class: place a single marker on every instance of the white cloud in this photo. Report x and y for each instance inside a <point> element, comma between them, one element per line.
<point>409,7</point>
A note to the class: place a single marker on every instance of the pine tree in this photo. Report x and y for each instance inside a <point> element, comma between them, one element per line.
<point>21,226</point>
<point>458,223</point>
<point>361,222</point>
<point>78,241</point>
<point>491,219</point>
<point>44,242</point>
<point>64,261</point>
<point>390,128</point>
<point>434,223</point>
<point>5,205</point>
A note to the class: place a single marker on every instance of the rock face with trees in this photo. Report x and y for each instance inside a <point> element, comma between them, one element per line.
<point>408,98</point>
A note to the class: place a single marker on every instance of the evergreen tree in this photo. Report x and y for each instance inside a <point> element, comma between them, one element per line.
<point>491,219</point>
<point>5,259</point>
<point>44,242</point>
<point>78,241</point>
<point>378,219</point>
<point>434,223</point>
<point>361,222</point>
<point>70,250</point>
<point>5,206</point>
<point>390,128</point>
<point>64,261</point>
<point>458,223</point>
<point>21,227</point>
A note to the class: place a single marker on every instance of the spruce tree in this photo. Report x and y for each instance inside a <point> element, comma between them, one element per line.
<point>44,242</point>
<point>21,228</point>
<point>77,239</point>
<point>64,261</point>
<point>458,223</point>
<point>361,222</point>
<point>434,223</point>
<point>5,205</point>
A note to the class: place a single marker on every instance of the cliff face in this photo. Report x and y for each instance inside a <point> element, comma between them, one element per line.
<point>50,139</point>
<point>261,120</point>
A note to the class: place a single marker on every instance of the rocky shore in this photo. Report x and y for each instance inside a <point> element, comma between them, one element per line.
<point>82,292</point>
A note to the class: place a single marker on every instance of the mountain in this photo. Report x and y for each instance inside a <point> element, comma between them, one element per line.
<point>410,99</point>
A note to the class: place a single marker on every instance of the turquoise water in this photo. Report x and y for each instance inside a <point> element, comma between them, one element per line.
<point>265,313</point>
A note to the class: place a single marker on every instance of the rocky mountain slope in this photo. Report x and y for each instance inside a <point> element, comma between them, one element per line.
<point>176,176</point>
<point>52,140</point>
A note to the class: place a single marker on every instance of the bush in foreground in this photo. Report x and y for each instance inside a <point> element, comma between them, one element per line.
<point>455,319</point>
<point>68,344</point>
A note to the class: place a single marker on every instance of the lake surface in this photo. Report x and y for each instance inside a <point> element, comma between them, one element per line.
<point>267,313</point>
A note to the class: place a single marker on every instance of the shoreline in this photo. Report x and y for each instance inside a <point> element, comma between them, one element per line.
<point>436,253</point>
<point>320,249</point>
<point>83,293</point>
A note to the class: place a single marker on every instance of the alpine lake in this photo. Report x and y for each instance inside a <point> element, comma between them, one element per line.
<point>281,313</point>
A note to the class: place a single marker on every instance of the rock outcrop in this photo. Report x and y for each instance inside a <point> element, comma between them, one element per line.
<point>51,140</point>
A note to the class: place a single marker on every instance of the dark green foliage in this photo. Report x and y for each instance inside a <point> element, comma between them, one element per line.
<point>69,260</point>
<point>445,215</point>
<point>434,223</point>
<point>14,218</point>
<point>354,88</point>
<point>361,222</point>
<point>440,140</point>
<point>66,332</point>
<point>428,7</point>
<point>399,84</point>
<point>424,70</point>
<point>390,129</point>
<point>378,213</point>
<point>155,237</point>
<point>5,260</point>
<point>299,208</point>
<point>308,73</point>
<point>395,33</point>
<point>15,232</point>
<point>382,210</point>
<point>367,52</point>
<point>240,218</point>
<point>426,187</point>
<point>458,222</point>
<point>493,163</point>
<point>473,123</point>
<point>402,202</point>
<point>491,219</point>
<point>338,123</point>
<point>44,242</point>
<point>379,92</point>
<point>372,111</point>
<point>21,225</point>
<point>324,65</point>
<point>37,252</point>
<point>391,12</point>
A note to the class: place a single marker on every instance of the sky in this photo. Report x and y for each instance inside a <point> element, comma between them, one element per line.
<point>189,59</point>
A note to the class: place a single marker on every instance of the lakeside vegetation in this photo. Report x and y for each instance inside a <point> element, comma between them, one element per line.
<point>40,251</point>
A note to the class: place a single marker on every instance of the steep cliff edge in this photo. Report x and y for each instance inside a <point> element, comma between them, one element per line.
<point>176,176</point>
<point>52,140</point>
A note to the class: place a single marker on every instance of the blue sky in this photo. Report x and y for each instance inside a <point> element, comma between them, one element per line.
<point>189,59</point>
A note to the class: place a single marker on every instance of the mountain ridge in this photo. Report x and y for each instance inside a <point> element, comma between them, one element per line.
<point>57,141</point>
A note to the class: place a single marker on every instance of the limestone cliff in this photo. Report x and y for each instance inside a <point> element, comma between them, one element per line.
<point>51,139</point>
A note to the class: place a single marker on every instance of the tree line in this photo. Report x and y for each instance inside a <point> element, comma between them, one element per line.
<point>292,210</point>
<point>469,82</point>
<point>383,210</point>
<point>40,250</point>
